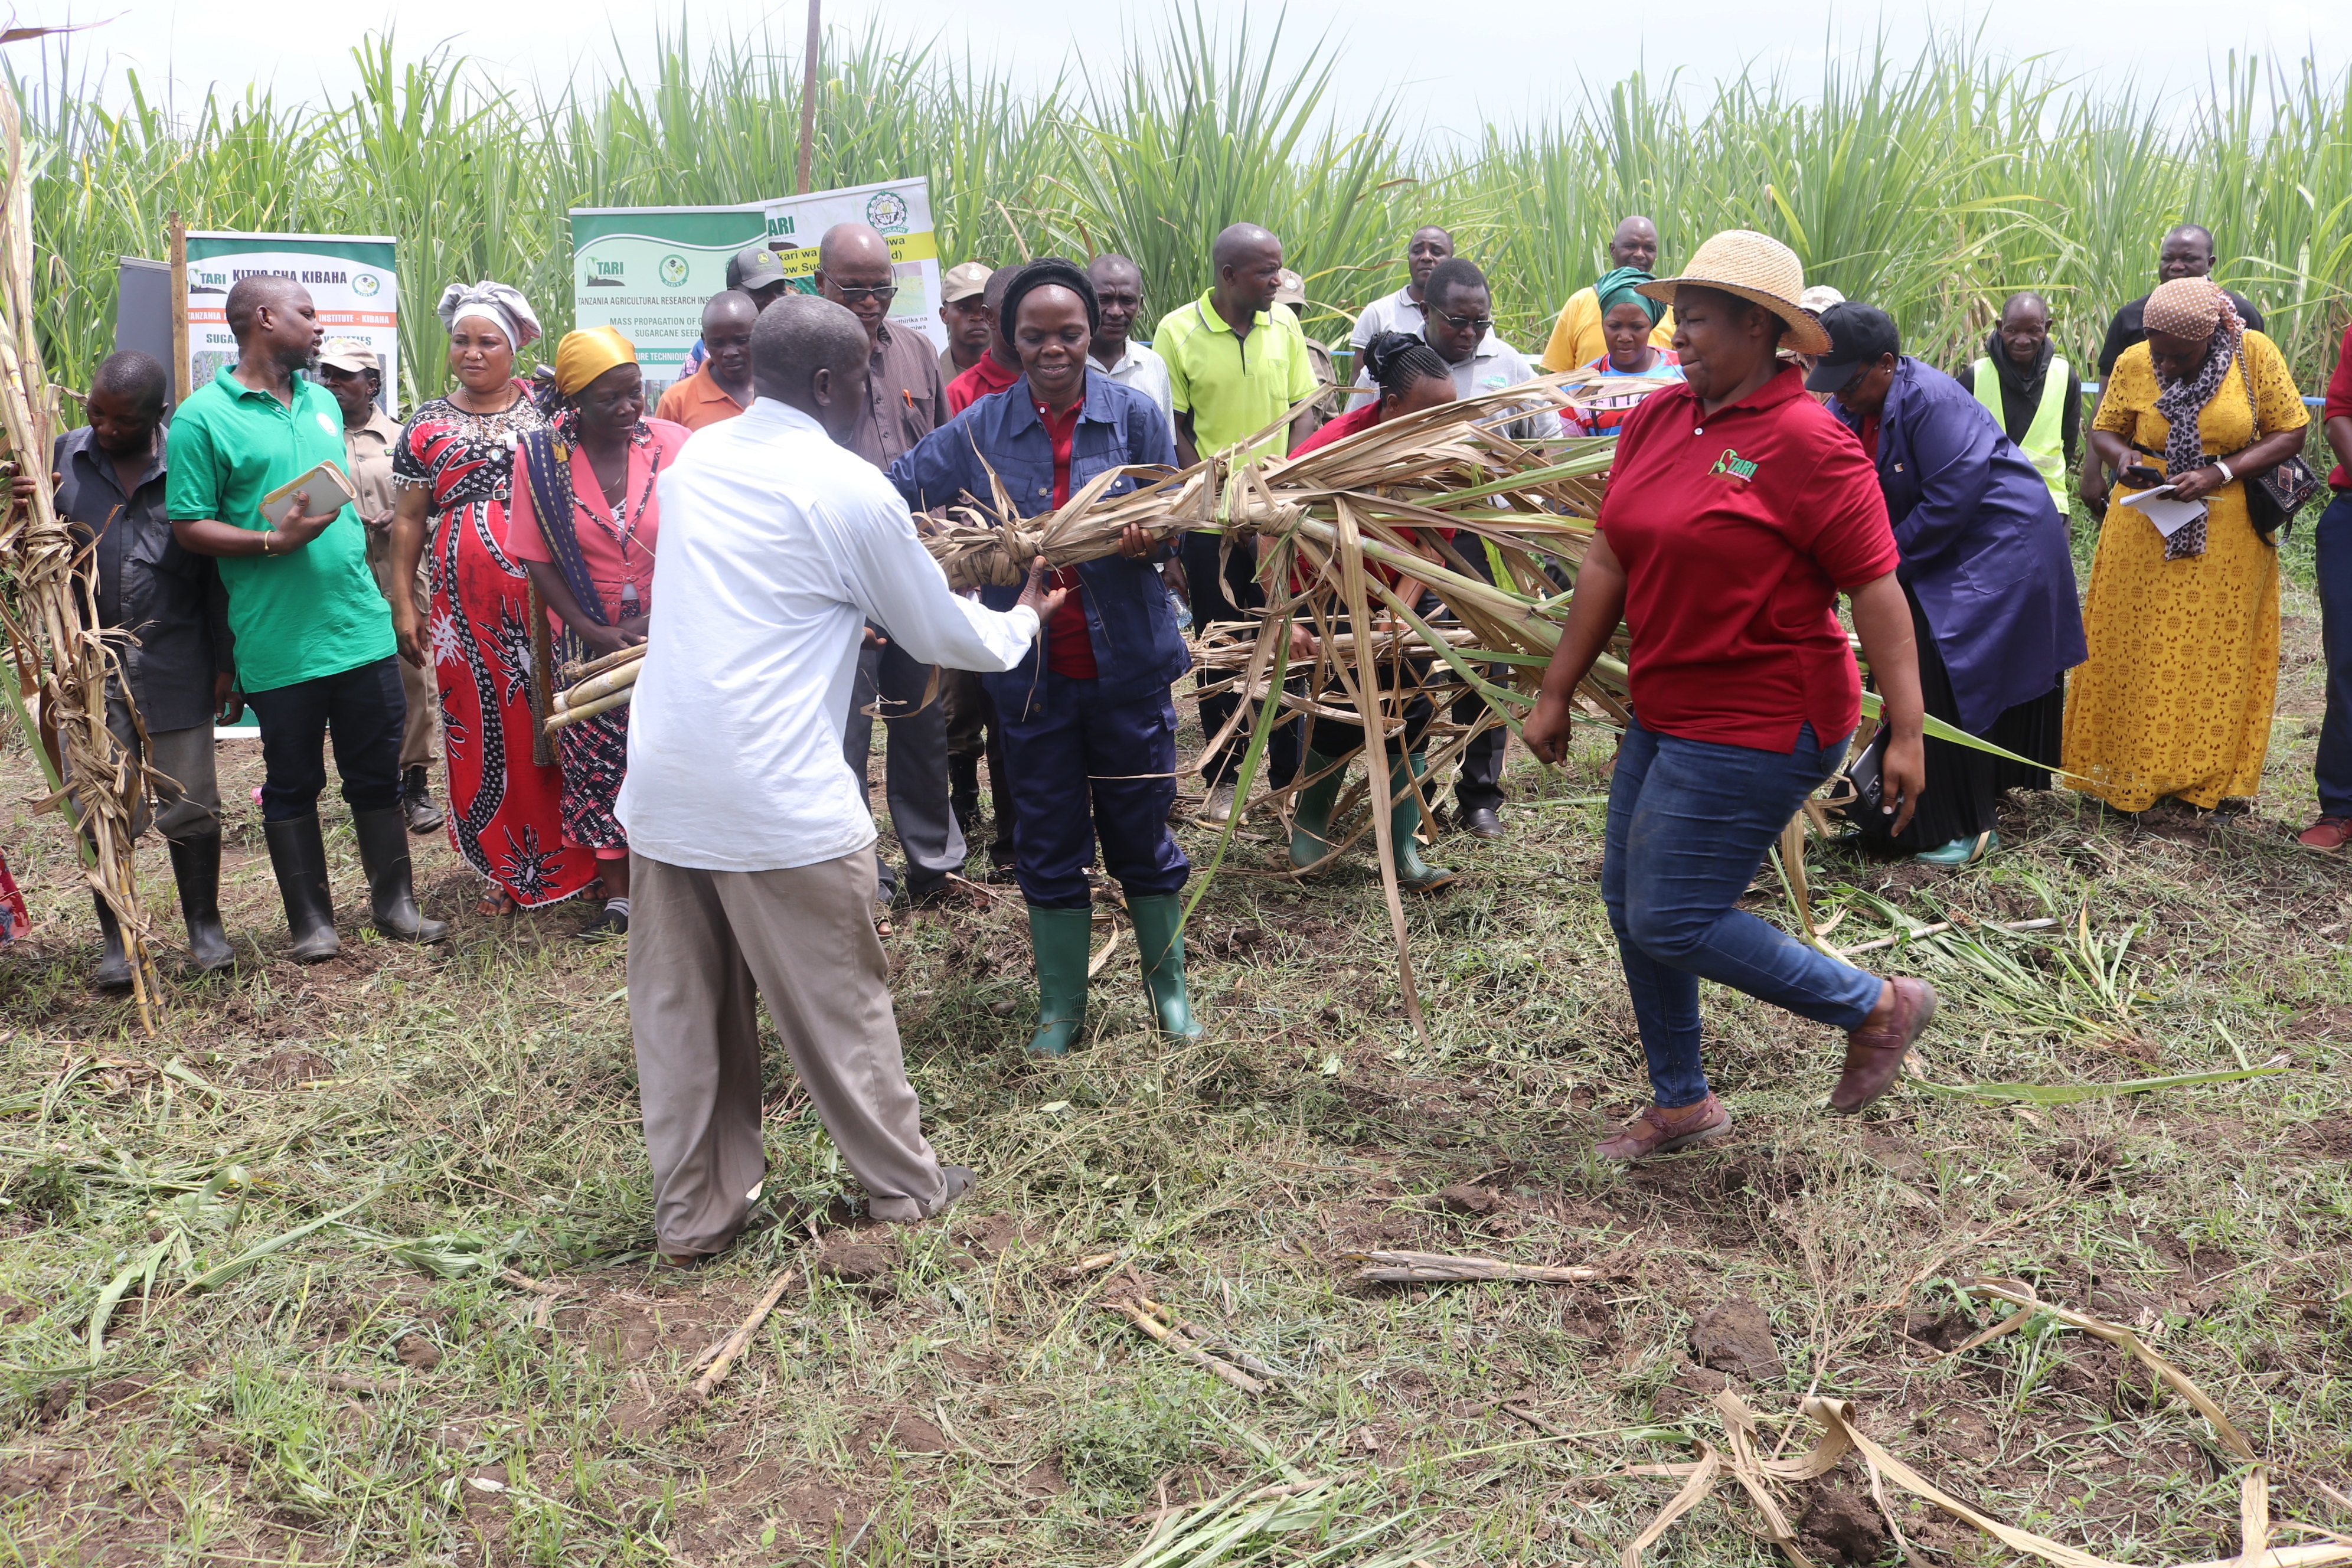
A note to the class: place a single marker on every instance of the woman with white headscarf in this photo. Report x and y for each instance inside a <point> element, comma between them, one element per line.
<point>455,468</point>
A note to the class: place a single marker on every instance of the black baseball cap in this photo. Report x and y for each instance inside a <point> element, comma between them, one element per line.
<point>1859,334</point>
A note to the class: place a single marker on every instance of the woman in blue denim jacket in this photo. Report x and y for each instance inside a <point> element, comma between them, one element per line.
<point>1090,729</point>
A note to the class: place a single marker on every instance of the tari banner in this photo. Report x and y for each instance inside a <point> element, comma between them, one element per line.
<point>352,280</point>
<point>647,271</point>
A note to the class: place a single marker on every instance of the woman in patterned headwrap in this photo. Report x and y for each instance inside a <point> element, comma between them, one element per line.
<point>453,467</point>
<point>585,524</point>
<point>1628,318</point>
<point>2184,629</point>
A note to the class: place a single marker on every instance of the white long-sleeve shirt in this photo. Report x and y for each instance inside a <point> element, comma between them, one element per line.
<point>777,546</point>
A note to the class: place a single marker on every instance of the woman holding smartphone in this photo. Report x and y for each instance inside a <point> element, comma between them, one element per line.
<point>2184,627</point>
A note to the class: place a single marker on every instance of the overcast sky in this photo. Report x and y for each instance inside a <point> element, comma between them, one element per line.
<point>1449,74</point>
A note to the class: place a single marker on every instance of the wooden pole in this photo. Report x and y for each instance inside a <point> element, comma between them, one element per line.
<point>179,253</point>
<point>808,91</point>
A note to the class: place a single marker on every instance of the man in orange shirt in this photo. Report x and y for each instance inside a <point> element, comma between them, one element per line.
<point>722,388</point>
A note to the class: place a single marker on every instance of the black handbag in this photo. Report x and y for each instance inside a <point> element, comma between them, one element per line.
<point>2273,498</point>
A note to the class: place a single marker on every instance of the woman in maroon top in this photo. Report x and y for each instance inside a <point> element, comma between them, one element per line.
<point>1738,511</point>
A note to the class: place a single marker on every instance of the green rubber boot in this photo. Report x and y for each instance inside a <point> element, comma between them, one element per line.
<point>1415,875</point>
<point>1310,813</point>
<point>1159,937</point>
<point>1062,941</point>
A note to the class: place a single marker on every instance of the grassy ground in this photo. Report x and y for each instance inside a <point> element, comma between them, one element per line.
<point>375,1391</point>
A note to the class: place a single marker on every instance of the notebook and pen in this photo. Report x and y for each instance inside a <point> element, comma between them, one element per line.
<point>2163,506</point>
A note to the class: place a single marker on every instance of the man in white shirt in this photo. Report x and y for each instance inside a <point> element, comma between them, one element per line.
<point>751,845</point>
<point>1119,292</point>
<point>1459,323</point>
<point>1401,311</point>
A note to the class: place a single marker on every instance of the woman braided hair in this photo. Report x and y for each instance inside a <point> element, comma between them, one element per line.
<point>1397,362</point>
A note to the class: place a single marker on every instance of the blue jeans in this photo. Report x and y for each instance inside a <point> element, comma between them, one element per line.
<point>2333,539</point>
<point>1689,822</point>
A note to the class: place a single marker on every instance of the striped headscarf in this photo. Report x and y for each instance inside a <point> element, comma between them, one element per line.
<point>2191,307</point>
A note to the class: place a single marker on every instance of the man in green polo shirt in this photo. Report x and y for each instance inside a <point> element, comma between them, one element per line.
<point>314,644</point>
<point>1236,363</point>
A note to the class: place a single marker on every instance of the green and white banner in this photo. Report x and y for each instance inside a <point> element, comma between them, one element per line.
<point>647,271</point>
<point>352,278</point>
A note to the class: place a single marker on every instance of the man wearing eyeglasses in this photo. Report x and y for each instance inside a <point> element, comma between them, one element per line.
<point>1458,322</point>
<point>904,403</point>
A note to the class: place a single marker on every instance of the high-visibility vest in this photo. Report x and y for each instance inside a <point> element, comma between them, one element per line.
<point>2045,439</point>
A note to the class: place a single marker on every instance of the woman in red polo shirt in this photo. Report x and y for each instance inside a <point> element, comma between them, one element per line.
<point>1738,511</point>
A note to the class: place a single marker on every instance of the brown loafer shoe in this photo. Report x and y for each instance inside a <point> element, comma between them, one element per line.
<point>2328,834</point>
<point>1874,1057</point>
<point>1661,1131</point>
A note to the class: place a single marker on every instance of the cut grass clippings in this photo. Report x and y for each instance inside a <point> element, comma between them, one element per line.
<point>479,1365</point>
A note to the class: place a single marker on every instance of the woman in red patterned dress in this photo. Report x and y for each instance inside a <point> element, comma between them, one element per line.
<point>455,465</point>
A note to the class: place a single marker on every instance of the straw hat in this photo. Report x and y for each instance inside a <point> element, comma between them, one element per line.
<point>1754,267</point>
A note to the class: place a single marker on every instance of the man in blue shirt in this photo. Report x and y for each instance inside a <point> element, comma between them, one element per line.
<point>176,660</point>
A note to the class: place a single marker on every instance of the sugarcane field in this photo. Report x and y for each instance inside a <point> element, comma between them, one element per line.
<point>1203,787</point>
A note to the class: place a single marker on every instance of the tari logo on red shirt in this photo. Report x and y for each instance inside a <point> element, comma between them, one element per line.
<point>1732,466</point>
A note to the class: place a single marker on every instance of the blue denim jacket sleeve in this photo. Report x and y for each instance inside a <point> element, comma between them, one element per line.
<point>1129,618</point>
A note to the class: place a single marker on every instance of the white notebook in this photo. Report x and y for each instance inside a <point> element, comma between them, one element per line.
<point>322,489</point>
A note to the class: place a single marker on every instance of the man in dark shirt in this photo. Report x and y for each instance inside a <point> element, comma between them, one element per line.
<point>175,658</point>
<point>904,403</point>
<point>2187,252</point>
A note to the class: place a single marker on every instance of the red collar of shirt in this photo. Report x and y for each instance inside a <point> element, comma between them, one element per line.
<point>1790,382</point>
<point>1063,429</point>
<point>988,376</point>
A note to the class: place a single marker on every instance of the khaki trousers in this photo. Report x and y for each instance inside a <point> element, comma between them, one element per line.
<point>699,944</point>
<point>421,731</point>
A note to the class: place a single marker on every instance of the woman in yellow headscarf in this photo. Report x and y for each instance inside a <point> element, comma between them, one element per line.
<point>586,522</point>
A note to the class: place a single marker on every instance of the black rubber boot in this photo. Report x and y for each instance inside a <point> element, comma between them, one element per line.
<point>113,972</point>
<point>195,868</point>
<point>298,857</point>
<point>384,853</point>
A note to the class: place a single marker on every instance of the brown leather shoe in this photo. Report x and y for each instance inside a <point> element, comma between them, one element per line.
<point>1661,1131</point>
<point>1874,1057</point>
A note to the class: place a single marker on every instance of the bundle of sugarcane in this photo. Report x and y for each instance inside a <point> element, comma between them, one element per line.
<point>1433,497</point>
<point>52,600</point>
<point>596,687</point>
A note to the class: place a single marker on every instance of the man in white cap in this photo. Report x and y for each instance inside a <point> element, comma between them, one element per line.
<point>350,369</point>
<point>1291,292</point>
<point>750,841</point>
<point>963,306</point>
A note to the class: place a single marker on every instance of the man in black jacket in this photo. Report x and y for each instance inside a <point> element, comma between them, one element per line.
<point>2187,252</point>
<point>177,657</point>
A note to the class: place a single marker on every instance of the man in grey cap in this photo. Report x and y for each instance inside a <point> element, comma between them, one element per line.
<point>350,370</point>
<point>755,270</point>
<point>963,306</point>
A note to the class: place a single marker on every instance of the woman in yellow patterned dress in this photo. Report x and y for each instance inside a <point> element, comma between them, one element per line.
<point>2184,630</point>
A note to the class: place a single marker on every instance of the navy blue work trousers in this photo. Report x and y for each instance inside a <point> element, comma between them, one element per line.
<point>1083,767</point>
<point>364,710</point>
<point>2333,541</point>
